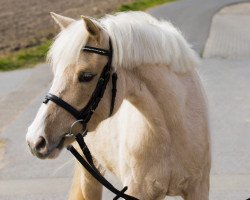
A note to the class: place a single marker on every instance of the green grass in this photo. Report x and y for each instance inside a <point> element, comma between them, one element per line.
<point>142,4</point>
<point>30,56</point>
<point>24,57</point>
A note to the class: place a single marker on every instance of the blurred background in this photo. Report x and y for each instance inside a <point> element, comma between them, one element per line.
<point>218,30</point>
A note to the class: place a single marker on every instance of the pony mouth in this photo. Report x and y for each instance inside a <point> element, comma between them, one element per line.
<point>53,149</point>
<point>61,143</point>
<point>52,152</point>
<point>64,141</point>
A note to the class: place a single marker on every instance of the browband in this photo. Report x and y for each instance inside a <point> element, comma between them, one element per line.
<point>97,50</point>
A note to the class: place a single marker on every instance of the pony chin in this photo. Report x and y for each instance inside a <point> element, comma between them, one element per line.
<point>54,154</point>
<point>64,143</point>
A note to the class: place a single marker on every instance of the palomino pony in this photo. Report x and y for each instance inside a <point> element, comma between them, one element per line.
<point>157,139</point>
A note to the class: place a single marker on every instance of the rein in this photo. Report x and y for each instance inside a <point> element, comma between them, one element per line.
<point>85,114</point>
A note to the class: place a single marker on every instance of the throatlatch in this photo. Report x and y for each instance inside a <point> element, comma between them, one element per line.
<point>85,114</point>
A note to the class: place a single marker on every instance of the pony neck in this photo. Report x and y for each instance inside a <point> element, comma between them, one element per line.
<point>144,89</point>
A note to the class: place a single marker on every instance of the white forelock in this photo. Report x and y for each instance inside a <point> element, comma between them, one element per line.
<point>67,46</point>
<point>138,39</point>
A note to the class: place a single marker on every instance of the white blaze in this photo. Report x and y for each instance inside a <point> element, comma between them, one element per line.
<point>36,129</point>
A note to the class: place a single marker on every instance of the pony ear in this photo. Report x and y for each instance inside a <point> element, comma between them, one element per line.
<point>62,21</point>
<point>92,27</point>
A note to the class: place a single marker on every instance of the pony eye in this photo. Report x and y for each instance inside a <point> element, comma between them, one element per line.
<point>86,76</point>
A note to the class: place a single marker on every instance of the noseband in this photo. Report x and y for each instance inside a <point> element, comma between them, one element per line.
<point>85,114</point>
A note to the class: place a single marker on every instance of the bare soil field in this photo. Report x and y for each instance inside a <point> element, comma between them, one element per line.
<point>27,23</point>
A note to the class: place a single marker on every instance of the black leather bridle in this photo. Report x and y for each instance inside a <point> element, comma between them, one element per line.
<point>85,114</point>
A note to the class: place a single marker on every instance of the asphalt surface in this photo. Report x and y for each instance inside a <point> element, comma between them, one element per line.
<point>193,17</point>
<point>230,33</point>
<point>226,83</point>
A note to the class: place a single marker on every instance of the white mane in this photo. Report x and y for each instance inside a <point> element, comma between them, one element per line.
<point>137,38</point>
<point>140,39</point>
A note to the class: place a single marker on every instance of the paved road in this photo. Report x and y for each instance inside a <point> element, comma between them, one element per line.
<point>230,33</point>
<point>226,82</point>
<point>193,17</point>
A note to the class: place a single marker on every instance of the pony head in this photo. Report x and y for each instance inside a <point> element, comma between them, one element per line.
<point>138,40</point>
<point>76,74</point>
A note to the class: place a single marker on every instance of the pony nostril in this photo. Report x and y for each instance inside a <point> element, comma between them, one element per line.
<point>41,143</point>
